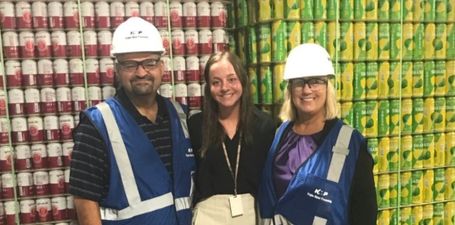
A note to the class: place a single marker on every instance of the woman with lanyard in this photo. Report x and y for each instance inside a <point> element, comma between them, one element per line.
<point>231,139</point>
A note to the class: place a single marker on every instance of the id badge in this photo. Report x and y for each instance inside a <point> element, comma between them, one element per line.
<point>236,205</point>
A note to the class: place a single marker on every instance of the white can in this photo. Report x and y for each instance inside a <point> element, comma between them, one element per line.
<point>107,71</point>
<point>45,73</point>
<point>88,14</point>
<point>104,43</point>
<point>189,14</point>
<point>36,128</point>
<point>13,72</point>
<point>76,72</point>
<point>41,182</point>
<point>94,95</point>
<point>108,91</point>
<point>23,15</point>
<point>2,103</point>
<point>67,179</point>
<point>58,40</point>
<point>59,208</point>
<point>205,42</point>
<point>51,128</point>
<point>16,102</point>
<point>27,44</point>
<point>147,11</point>
<point>90,43</point>
<point>10,212</point>
<point>102,14</point>
<point>67,148</point>
<point>79,99</point>
<point>166,90</point>
<point>23,158</point>
<point>218,14</point>
<point>161,14</point>
<point>131,9</point>
<point>194,96</point>
<point>43,210</point>
<point>66,125</point>
<point>8,19</point>
<point>192,73</point>
<point>19,132</point>
<point>192,42</point>
<point>32,101</point>
<point>11,44</point>
<point>70,207</point>
<point>202,62</point>
<point>25,184</point>
<point>203,14</point>
<point>166,40</point>
<point>6,158</point>
<point>179,69</point>
<point>176,11</point>
<point>54,155</point>
<point>178,42</point>
<point>48,101</point>
<point>7,186</point>
<point>64,102</point>
<point>27,209</point>
<point>92,67</point>
<point>43,43</point>
<point>57,182</point>
<point>4,131</point>
<point>220,40</point>
<point>29,73</point>
<point>166,78</point>
<point>61,72</point>
<point>71,15</point>
<point>181,93</point>
<point>117,13</point>
<point>55,11</point>
<point>74,43</point>
<point>39,155</point>
<point>39,14</point>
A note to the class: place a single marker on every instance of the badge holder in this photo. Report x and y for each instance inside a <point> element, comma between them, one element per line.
<point>236,205</point>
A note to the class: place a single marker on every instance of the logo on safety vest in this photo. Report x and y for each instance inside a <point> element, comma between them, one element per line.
<point>320,194</point>
<point>189,152</point>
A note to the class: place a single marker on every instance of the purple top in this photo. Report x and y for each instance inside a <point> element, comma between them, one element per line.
<point>295,150</point>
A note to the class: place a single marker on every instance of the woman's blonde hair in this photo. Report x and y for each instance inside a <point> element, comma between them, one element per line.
<point>289,112</point>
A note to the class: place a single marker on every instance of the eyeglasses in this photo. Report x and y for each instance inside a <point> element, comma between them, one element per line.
<point>131,66</point>
<point>312,82</point>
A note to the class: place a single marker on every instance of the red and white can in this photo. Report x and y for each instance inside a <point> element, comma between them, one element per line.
<point>48,100</point>
<point>88,14</point>
<point>52,133</point>
<point>64,103</point>
<point>108,91</point>
<point>107,71</point>
<point>71,15</point>
<point>25,184</point>
<point>36,128</point>
<point>76,72</point>
<point>70,207</point>
<point>13,73</point>
<point>2,214</point>
<point>102,14</point>
<point>7,17</point>
<point>23,158</point>
<point>79,98</point>
<point>192,73</point>
<point>165,36</point>
<point>218,14</point>
<point>202,62</point>
<point>181,93</point>
<point>11,44</point>
<point>189,14</point>
<point>59,208</point>
<point>57,182</point>
<point>32,101</point>
<point>45,73</point>
<point>94,95</point>
<point>167,70</point>
<point>74,43</point>
<point>117,13</point>
<point>27,44</point>
<point>10,212</point>
<point>176,11</point>
<point>29,73</point>
<point>179,69</point>
<point>92,67</point>
<point>23,15</point>
<point>54,155</point>
<point>161,14</point>
<point>16,102</point>
<point>104,43</point>
<point>41,182</point>
<point>2,103</point>
<point>61,72</point>
<point>39,155</point>
<point>178,42</point>
<point>203,14</point>
<point>7,186</point>
<point>220,40</point>
<point>39,15</point>
<point>90,43</point>
<point>67,148</point>
<point>166,90</point>
<point>147,11</point>
<point>205,42</point>
<point>66,125</point>
<point>67,181</point>
<point>43,44</point>
<point>4,134</point>
<point>192,42</point>
<point>55,11</point>
<point>131,9</point>
<point>28,211</point>
<point>43,210</point>
<point>19,131</point>
<point>6,158</point>
<point>58,39</point>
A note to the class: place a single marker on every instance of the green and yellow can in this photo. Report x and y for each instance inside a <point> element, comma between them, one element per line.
<point>331,38</point>
<point>371,46</point>
<point>406,216</point>
<point>449,213</point>
<point>347,113</point>
<point>428,150</point>
<point>428,110</point>
<point>384,190</point>
<point>428,78</point>
<point>253,77</point>
<point>441,10</point>
<point>394,80</point>
<point>383,118</point>
<point>395,10</point>
<point>450,113</point>
<point>438,213</point>
<point>395,117</point>
<point>439,184</point>
<point>278,9</point>
<point>383,217</point>
<point>306,9</point>
<point>372,80</point>
<point>408,42</point>
<point>265,80</point>
<point>417,115</point>
<point>242,44</point>
<point>417,78</point>
<point>417,215</point>
<point>384,41</point>
<point>440,78</point>
<point>346,9</point>
<point>242,18</point>
<point>371,10</point>
<point>252,46</point>
<point>395,41</point>
<point>406,80</point>
<point>320,33</point>
<point>406,188</point>
<point>439,115</point>
<point>450,183</point>
<point>393,156</point>
<point>417,152</point>
<point>252,14</point>
<point>359,81</point>
<point>346,41</point>
<point>406,152</point>
<point>383,78</point>
<point>293,34</point>
<point>383,153</point>
<point>430,36</point>
<point>307,32</point>
<point>451,39</point>
<point>383,10</point>
<point>418,51</point>
<point>429,10</point>
<point>372,144</point>
<point>265,43</point>
<point>359,9</point>
<point>360,41</point>
<point>407,7</point>
<point>439,149</point>
<point>332,8</point>
<point>450,71</point>
<point>279,84</point>
<point>347,80</point>
<point>450,11</point>
<point>417,12</point>
<point>417,187</point>
<point>450,149</point>
<point>393,189</point>
<point>279,41</point>
<point>427,214</point>
<point>440,41</point>
<point>394,219</point>
<point>320,9</point>
<point>428,182</point>
<point>360,116</point>
<point>265,10</point>
<point>371,125</point>
<point>292,9</point>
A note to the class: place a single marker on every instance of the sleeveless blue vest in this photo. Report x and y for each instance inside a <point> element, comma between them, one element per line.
<point>135,168</point>
<point>311,197</point>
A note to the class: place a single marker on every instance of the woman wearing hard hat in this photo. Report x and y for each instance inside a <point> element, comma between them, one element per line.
<point>231,139</point>
<point>318,171</point>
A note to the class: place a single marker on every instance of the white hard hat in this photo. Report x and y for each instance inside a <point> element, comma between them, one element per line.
<point>136,35</point>
<point>308,60</point>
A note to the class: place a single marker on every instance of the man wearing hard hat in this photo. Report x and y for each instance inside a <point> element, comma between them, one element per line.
<point>318,171</point>
<point>132,161</point>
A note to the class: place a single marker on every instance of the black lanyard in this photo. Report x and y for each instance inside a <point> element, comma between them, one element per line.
<point>234,175</point>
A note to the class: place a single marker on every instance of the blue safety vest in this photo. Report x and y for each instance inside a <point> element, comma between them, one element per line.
<point>318,194</point>
<point>141,191</point>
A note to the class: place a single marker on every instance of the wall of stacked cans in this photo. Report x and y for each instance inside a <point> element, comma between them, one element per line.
<point>395,63</point>
<point>55,62</point>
